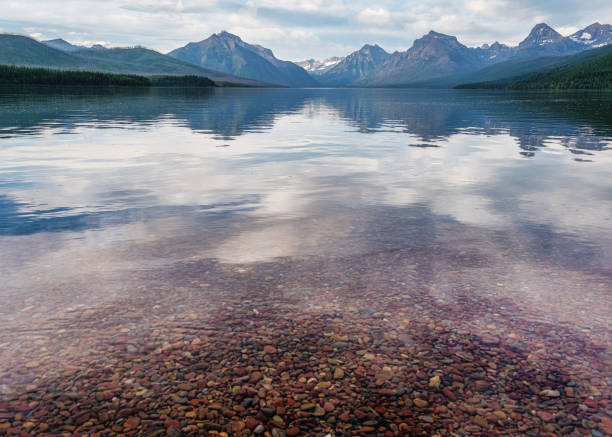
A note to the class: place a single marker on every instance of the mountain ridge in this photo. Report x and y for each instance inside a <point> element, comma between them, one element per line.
<point>435,58</point>
<point>20,50</point>
<point>589,69</point>
<point>355,66</point>
<point>226,52</point>
<point>436,55</point>
<point>315,67</point>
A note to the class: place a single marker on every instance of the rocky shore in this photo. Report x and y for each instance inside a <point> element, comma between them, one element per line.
<point>369,348</point>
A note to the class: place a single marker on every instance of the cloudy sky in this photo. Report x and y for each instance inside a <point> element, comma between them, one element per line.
<point>294,29</point>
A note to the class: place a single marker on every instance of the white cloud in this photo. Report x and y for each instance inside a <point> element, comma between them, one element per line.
<point>324,27</point>
<point>153,6</point>
<point>302,35</point>
<point>300,5</point>
<point>372,16</point>
<point>37,36</point>
<point>88,43</point>
<point>166,6</point>
<point>567,30</point>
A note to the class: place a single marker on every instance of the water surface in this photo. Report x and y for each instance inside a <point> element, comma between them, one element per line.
<point>486,213</point>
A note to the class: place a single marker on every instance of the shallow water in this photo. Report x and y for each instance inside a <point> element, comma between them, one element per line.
<point>142,214</point>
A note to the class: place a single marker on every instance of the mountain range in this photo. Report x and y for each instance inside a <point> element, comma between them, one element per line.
<point>65,46</point>
<point>315,68</point>
<point>435,59</point>
<point>23,51</point>
<point>226,52</point>
<point>589,69</point>
<point>355,67</point>
<point>437,55</point>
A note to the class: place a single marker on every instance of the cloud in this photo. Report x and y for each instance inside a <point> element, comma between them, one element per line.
<point>567,30</point>
<point>302,35</point>
<point>325,27</point>
<point>301,38</point>
<point>327,6</point>
<point>153,6</point>
<point>371,16</point>
<point>165,6</point>
<point>301,18</point>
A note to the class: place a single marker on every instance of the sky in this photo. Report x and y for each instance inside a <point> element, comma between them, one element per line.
<point>294,29</point>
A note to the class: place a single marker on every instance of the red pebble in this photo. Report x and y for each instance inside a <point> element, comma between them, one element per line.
<point>606,425</point>
<point>360,414</point>
<point>251,422</point>
<point>269,349</point>
<point>171,422</point>
<point>405,412</point>
<point>293,431</point>
<point>545,416</point>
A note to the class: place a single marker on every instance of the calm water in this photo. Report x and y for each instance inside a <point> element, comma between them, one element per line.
<point>103,168</point>
<point>114,199</point>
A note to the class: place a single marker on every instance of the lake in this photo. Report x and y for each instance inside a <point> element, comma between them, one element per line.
<point>305,261</point>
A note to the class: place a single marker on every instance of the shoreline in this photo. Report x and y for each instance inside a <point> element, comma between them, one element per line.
<point>244,349</point>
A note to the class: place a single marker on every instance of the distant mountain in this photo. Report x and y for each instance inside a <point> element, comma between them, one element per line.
<point>435,59</point>
<point>440,60</point>
<point>24,51</point>
<point>21,50</point>
<point>226,52</point>
<point>316,68</point>
<point>595,35</point>
<point>546,72</point>
<point>433,55</point>
<point>355,67</point>
<point>543,40</point>
<point>493,53</point>
<point>138,60</point>
<point>63,45</point>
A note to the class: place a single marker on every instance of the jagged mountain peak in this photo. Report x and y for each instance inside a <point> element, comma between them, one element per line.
<point>62,44</point>
<point>370,49</point>
<point>540,35</point>
<point>498,45</point>
<point>60,40</point>
<point>597,27</point>
<point>228,53</point>
<point>226,35</point>
<point>542,27</point>
<point>436,39</point>
<point>594,35</point>
<point>355,66</point>
<point>594,25</point>
<point>225,40</point>
<point>316,67</point>
<point>432,34</point>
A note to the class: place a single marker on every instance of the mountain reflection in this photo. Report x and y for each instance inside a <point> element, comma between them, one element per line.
<point>580,121</point>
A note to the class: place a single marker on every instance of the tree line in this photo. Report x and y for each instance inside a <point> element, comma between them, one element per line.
<point>13,75</point>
